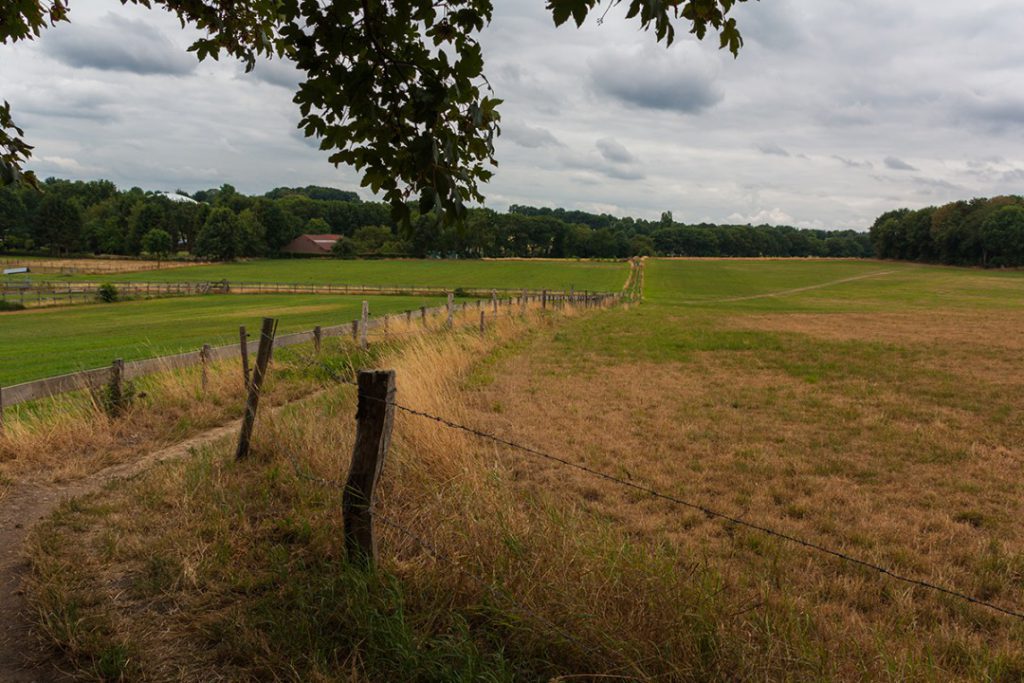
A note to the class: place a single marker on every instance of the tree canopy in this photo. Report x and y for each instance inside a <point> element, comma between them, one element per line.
<point>394,88</point>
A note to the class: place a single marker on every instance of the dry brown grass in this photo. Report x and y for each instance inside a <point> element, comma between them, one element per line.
<point>891,457</point>
<point>92,266</point>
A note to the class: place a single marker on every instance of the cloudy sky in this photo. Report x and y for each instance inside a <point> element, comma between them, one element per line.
<point>834,112</point>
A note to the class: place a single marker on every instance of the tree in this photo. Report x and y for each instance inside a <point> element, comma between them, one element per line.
<point>58,223</point>
<point>12,215</point>
<point>220,236</point>
<point>158,243</point>
<point>1002,235</point>
<point>395,89</point>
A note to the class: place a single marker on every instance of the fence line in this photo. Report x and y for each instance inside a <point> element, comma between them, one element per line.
<point>41,293</point>
<point>837,554</point>
<point>85,379</point>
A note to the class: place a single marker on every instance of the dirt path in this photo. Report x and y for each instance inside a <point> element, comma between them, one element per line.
<point>786,292</point>
<point>21,660</point>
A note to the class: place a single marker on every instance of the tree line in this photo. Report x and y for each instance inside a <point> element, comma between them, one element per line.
<point>94,217</point>
<point>977,232</point>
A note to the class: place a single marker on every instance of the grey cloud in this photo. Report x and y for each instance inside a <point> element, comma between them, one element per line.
<point>529,136</point>
<point>656,80</point>
<point>614,151</point>
<point>937,184</point>
<point>773,149</point>
<point>851,163</point>
<point>117,44</point>
<point>69,104</point>
<point>279,72</point>
<point>897,164</point>
<point>599,165</point>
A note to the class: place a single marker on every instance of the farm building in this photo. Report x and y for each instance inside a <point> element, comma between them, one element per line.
<point>311,245</point>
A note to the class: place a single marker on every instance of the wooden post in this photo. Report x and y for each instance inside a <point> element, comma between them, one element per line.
<point>243,343</point>
<point>544,299</point>
<point>204,359</point>
<point>494,301</point>
<point>263,355</point>
<point>408,317</point>
<point>423,314</point>
<point>386,317</point>
<point>450,306</point>
<point>363,342</point>
<point>483,326</point>
<point>318,336</point>
<point>355,331</point>
<point>117,402</point>
<point>374,419</point>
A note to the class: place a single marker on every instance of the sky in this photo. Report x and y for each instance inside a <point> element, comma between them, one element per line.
<point>833,113</point>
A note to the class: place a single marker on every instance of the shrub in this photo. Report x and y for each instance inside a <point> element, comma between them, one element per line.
<point>107,293</point>
<point>10,306</point>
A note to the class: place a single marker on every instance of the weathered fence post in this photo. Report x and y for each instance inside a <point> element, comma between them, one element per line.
<point>363,342</point>
<point>243,344</point>
<point>318,335</point>
<point>483,325</point>
<point>375,416</point>
<point>544,299</point>
<point>451,309</point>
<point>115,396</point>
<point>266,348</point>
<point>494,301</point>
<point>408,317</point>
<point>355,331</point>
<point>386,316</point>
<point>423,314</point>
<point>204,358</point>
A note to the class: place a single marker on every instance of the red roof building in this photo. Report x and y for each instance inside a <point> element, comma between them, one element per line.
<point>311,245</point>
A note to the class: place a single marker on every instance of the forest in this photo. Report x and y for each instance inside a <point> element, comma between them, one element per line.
<point>979,232</point>
<point>95,217</point>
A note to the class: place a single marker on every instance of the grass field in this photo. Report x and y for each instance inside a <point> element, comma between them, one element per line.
<point>534,274</point>
<point>873,408</point>
<point>53,341</point>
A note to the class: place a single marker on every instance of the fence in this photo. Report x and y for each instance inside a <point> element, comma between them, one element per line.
<point>89,379</point>
<point>53,292</point>
<point>376,404</point>
<point>86,266</point>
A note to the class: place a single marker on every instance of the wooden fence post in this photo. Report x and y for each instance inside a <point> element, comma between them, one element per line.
<point>494,301</point>
<point>204,358</point>
<point>318,335</point>
<point>483,326</point>
<point>355,331</point>
<point>363,342</point>
<point>263,355</point>
<point>450,306</point>
<point>116,388</point>
<point>243,345</point>
<point>544,299</point>
<point>423,314</point>
<point>374,419</point>
<point>408,317</point>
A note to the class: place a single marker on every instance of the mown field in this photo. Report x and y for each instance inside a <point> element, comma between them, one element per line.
<point>868,407</point>
<point>532,274</point>
<point>52,341</point>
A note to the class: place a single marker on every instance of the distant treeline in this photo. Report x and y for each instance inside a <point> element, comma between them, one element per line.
<point>979,232</point>
<point>95,217</point>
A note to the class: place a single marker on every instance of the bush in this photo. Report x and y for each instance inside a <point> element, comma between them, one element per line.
<point>107,293</point>
<point>10,306</point>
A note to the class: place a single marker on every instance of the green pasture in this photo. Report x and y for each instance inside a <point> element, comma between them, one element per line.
<point>52,341</point>
<point>812,285</point>
<point>534,274</point>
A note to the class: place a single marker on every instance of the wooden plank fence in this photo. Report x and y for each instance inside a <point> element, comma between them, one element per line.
<point>90,379</point>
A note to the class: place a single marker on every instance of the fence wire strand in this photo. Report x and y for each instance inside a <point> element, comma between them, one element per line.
<point>810,545</point>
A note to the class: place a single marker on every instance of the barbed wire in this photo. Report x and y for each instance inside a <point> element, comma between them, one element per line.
<point>810,545</point>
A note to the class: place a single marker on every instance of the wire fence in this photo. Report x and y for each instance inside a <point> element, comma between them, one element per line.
<point>709,512</point>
